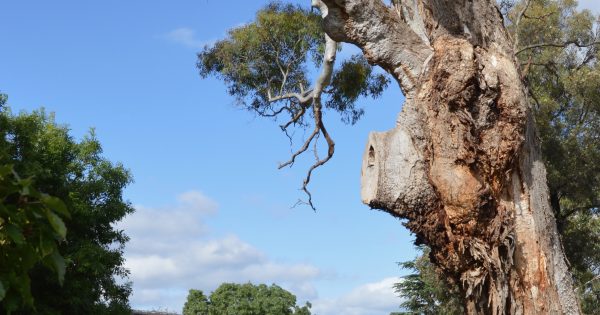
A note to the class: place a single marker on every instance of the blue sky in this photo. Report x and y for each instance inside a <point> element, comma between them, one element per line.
<point>211,204</point>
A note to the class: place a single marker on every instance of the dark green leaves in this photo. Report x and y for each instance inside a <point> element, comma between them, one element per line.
<point>14,233</point>
<point>234,299</point>
<point>82,195</point>
<point>425,291</point>
<point>30,230</point>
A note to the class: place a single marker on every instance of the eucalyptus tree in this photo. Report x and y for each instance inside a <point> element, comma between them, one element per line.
<point>463,165</point>
<point>558,56</point>
<point>267,66</point>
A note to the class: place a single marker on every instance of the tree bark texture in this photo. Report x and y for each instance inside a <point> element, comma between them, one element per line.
<point>463,164</point>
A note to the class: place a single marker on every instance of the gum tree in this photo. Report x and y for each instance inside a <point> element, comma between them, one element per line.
<point>563,82</point>
<point>463,165</point>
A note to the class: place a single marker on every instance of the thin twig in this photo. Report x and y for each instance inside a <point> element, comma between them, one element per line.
<point>517,22</point>
<point>303,149</point>
<point>557,45</point>
<point>588,282</point>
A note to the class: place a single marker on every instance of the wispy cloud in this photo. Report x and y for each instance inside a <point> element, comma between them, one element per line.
<point>185,36</point>
<point>369,299</point>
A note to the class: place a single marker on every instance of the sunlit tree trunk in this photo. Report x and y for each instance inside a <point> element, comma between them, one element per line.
<point>463,164</point>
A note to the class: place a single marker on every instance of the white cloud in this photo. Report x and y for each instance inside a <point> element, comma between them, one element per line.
<point>185,36</point>
<point>181,221</point>
<point>171,251</point>
<point>369,299</point>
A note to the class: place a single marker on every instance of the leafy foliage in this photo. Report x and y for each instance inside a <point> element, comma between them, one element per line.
<point>267,65</point>
<point>355,78</point>
<point>244,299</point>
<point>425,291</point>
<point>31,226</point>
<point>267,53</point>
<point>197,303</point>
<point>272,57</point>
<point>91,188</point>
<point>565,85</point>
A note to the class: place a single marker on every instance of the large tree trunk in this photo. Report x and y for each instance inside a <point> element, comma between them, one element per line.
<point>463,164</point>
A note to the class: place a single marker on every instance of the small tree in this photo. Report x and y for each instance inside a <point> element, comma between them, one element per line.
<point>426,291</point>
<point>247,299</point>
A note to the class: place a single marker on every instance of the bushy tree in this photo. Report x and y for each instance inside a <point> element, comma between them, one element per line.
<point>244,299</point>
<point>91,188</point>
<point>31,226</point>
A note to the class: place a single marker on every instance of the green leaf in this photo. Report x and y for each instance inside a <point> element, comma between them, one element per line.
<point>57,223</point>
<point>26,188</point>
<point>47,246</point>
<point>5,170</point>
<point>15,234</point>
<point>59,265</point>
<point>56,205</point>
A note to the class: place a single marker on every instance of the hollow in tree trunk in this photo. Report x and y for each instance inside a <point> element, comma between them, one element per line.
<point>463,164</point>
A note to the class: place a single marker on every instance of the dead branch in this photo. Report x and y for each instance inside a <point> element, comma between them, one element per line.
<point>303,149</point>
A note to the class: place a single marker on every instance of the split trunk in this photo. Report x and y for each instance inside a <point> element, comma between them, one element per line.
<point>463,164</point>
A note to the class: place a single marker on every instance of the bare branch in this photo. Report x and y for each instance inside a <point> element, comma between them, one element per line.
<point>517,22</point>
<point>570,212</point>
<point>558,45</point>
<point>303,149</point>
<point>294,119</point>
<point>302,98</point>
<point>319,163</point>
<point>313,95</point>
<point>583,285</point>
<point>541,17</point>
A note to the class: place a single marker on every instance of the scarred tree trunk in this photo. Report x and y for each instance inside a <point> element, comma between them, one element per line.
<point>463,164</point>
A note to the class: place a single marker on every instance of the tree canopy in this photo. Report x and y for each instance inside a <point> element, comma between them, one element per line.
<point>91,187</point>
<point>244,299</point>
<point>270,67</point>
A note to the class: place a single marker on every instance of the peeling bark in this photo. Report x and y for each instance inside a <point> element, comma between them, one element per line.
<point>463,164</point>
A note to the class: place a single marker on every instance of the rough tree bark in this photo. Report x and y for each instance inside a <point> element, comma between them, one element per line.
<point>463,164</point>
